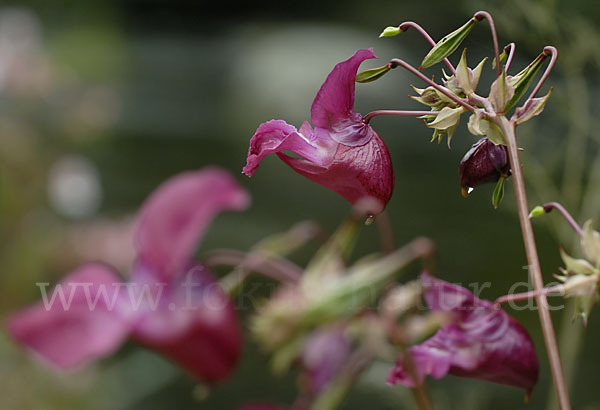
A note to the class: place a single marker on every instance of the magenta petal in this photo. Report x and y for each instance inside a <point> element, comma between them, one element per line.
<point>334,102</point>
<point>278,136</point>
<point>89,321</point>
<point>174,218</point>
<point>194,324</point>
<point>484,342</point>
<point>355,173</point>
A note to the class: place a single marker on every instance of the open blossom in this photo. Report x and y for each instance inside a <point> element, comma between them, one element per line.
<point>341,152</point>
<point>170,304</point>
<point>483,342</point>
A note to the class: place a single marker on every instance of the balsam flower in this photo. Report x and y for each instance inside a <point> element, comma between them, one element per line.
<point>171,304</point>
<point>342,153</point>
<point>483,342</point>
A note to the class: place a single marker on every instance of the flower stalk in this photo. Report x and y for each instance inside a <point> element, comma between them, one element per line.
<point>568,217</point>
<point>535,272</point>
<point>480,15</point>
<point>397,62</point>
<point>411,24</point>
<point>377,113</point>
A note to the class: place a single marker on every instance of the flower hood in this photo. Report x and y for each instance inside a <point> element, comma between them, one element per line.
<point>341,152</point>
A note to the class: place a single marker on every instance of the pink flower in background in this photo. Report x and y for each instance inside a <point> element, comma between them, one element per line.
<point>341,153</point>
<point>170,304</point>
<point>324,355</point>
<point>484,342</point>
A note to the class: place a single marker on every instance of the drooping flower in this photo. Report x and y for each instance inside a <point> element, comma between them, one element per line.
<point>484,162</point>
<point>171,304</point>
<point>483,342</point>
<point>341,153</point>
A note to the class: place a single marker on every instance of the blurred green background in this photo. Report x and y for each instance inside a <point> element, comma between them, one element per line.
<point>100,101</point>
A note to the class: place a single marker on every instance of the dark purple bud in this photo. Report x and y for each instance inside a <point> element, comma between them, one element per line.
<point>485,162</point>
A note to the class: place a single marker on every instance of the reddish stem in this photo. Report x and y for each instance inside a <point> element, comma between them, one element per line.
<point>372,114</point>
<point>529,295</point>
<point>480,15</point>
<point>553,52</point>
<point>397,62</point>
<point>511,52</point>
<point>555,205</point>
<point>408,24</point>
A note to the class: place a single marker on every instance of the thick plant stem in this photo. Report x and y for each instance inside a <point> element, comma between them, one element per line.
<point>535,272</point>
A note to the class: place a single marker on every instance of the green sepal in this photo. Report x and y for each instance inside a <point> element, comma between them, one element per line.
<point>498,193</point>
<point>372,74</point>
<point>576,266</point>
<point>522,80</point>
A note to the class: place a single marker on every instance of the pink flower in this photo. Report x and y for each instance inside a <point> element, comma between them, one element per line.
<point>171,304</point>
<point>341,153</point>
<point>483,342</point>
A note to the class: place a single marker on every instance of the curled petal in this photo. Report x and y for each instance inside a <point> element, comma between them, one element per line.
<point>278,136</point>
<point>85,317</point>
<point>191,321</point>
<point>354,173</point>
<point>174,218</point>
<point>333,107</point>
<point>484,342</point>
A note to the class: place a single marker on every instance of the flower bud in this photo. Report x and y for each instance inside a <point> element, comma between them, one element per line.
<point>484,162</point>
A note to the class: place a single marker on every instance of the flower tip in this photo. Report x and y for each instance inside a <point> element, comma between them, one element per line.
<point>368,206</point>
<point>538,211</point>
<point>465,191</point>
<point>390,31</point>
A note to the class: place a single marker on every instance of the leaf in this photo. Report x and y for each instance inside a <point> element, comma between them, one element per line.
<point>447,45</point>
